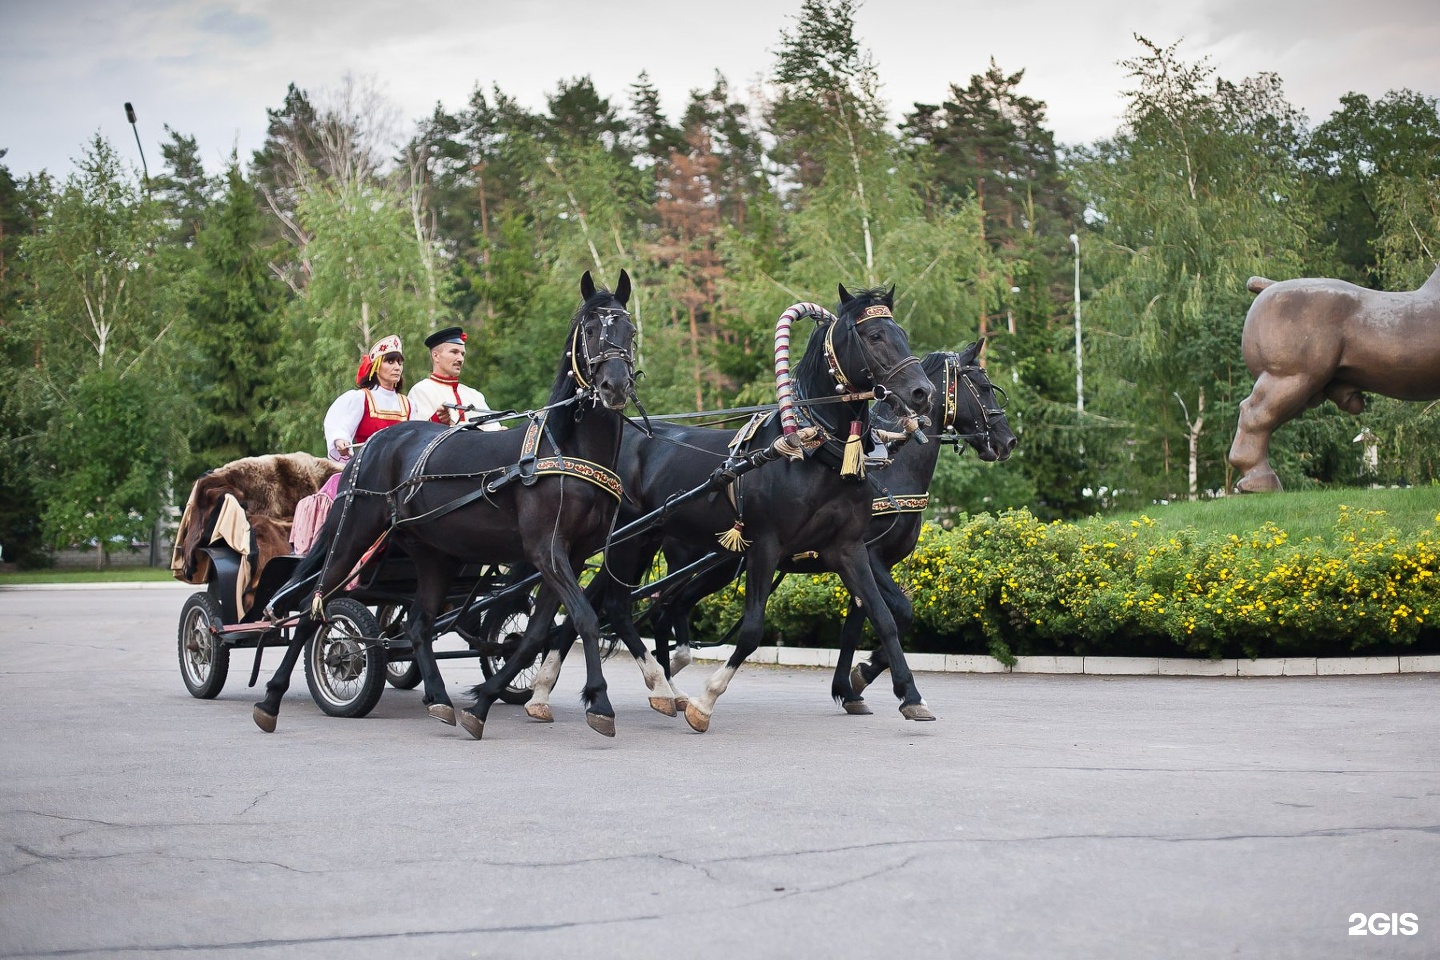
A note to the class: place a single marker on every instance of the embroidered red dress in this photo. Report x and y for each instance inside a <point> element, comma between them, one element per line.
<point>374,419</point>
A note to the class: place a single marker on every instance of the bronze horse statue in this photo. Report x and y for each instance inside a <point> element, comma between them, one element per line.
<point>1311,340</point>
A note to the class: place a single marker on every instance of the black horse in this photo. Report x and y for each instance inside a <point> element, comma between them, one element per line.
<point>544,495</point>
<point>783,508</point>
<point>964,410</point>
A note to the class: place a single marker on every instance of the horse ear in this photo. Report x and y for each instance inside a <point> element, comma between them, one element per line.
<point>622,289</point>
<point>971,353</point>
<point>844,295</point>
<point>587,286</point>
<point>890,295</point>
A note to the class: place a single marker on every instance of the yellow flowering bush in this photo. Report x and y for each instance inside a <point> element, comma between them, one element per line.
<point>1011,584</point>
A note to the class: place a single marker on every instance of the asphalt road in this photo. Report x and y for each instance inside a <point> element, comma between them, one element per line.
<point>1041,817</point>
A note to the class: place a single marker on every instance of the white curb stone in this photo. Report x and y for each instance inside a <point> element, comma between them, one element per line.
<point>1074,665</point>
<point>927,662</point>
<point>1105,666</point>
<point>1279,667</point>
<point>1420,664</point>
<point>970,663</point>
<point>1127,666</point>
<point>1181,667</point>
<point>1341,666</point>
<point>806,656</point>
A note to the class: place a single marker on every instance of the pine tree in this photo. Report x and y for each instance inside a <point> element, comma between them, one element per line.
<point>232,331</point>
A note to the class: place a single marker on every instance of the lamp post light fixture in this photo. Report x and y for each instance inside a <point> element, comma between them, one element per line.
<point>130,115</point>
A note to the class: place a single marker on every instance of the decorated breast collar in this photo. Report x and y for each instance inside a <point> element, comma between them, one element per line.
<point>533,465</point>
<point>901,503</point>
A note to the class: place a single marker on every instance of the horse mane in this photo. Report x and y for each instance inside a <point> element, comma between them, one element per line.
<point>934,363</point>
<point>565,387</point>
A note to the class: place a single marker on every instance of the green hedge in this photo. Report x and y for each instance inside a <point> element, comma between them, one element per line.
<point>1012,585</point>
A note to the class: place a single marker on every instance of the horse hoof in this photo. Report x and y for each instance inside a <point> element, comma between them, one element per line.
<point>601,724</point>
<point>265,721</point>
<point>443,712</point>
<point>916,711</point>
<point>1261,481</point>
<point>539,711</point>
<point>858,683</point>
<point>682,704</point>
<point>663,705</point>
<point>698,721</point>
<point>473,725</point>
<point>859,708</point>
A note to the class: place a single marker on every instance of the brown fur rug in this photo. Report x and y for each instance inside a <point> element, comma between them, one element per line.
<point>268,488</point>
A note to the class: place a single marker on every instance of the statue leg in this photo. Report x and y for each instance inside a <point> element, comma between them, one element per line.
<point>1275,400</point>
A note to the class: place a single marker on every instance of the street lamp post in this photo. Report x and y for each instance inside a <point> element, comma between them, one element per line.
<point>1079,364</point>
<point>130,115</point>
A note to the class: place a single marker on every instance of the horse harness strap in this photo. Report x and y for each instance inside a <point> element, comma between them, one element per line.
<point>900,503</point>
<point>533,466</point>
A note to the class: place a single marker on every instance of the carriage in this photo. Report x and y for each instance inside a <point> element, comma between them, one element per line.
<point>231,543</point>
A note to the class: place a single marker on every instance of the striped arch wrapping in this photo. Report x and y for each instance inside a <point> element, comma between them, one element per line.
<point>784,385</point>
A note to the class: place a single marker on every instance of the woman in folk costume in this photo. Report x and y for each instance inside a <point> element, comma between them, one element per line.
<point>429,396</point>
<point>357,415</point>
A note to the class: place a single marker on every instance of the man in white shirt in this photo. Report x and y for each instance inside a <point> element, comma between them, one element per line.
<point>429,396</point>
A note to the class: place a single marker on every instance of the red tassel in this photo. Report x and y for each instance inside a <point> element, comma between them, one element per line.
<point>363,374</point>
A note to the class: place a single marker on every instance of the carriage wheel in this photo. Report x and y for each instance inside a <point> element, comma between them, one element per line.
<point>507,635</point>
<point>204,659</point>
<point>344,662</point>
<point>400,674</point>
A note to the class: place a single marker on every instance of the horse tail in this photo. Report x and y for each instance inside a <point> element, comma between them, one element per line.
<point>1256,284</point>
<point>294,593</point>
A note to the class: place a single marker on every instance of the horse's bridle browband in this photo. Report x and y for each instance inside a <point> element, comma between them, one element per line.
<point>608,349</point>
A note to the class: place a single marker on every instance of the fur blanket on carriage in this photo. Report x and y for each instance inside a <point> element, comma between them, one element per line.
<point>250,505</point>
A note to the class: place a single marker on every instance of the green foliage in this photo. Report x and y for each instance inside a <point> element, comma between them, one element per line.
<point>371,272</point>
<point>1010,584</point>
<point>1198,193</point>
<point>102,294</point>
<point>1368,159</point>
<point>106,456</point>
<point>231,334</point>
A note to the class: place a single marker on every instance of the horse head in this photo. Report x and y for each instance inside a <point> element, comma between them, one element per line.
<point>602,343</point>
<point>970,407</point>
<point>866,347</point>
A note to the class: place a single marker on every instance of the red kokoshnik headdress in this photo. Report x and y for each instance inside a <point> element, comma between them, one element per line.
<point>371,360</point>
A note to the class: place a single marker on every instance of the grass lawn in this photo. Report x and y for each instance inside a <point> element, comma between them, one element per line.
<point>1300,514</point>
<point>126,575</point>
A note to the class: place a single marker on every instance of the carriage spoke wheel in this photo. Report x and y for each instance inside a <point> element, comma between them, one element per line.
<point>204,660</point>
<point>508,635</point>
<point>400,674</point>
<point>344,663</point>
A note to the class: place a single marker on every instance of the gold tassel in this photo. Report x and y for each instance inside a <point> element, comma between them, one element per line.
<point>317,607</point>
<point>732,540</point>
<point>854,463</point>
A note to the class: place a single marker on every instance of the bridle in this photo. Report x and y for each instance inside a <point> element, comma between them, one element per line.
<point>957,373</point>
<point>610,318</point>
<point>843,382</point>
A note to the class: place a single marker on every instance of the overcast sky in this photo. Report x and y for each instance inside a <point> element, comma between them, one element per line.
<point>210,68</point>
